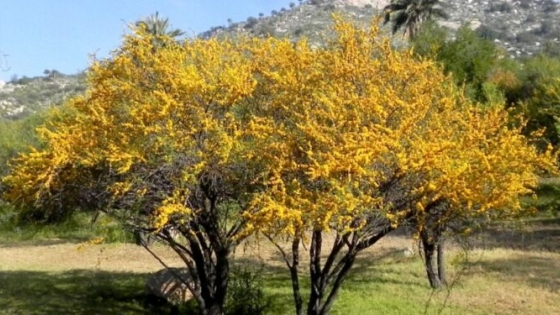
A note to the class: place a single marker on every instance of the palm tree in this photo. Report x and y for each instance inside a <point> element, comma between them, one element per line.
<point>158,26</point>
<point>409,15</point>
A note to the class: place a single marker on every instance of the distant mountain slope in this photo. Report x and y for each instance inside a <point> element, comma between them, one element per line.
<point>521,27</point>
<point>20,97</point>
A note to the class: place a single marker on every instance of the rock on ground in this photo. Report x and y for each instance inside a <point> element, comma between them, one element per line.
<point>167,284</point>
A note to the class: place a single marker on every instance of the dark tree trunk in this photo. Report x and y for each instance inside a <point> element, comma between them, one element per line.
<point>295,277</point>
<point>314,304</point>
<point>211,266</point>
<point>220,283</point>
<point>214,285</point>
<point>429,253</point>
<point>441,262</point>
<point>292,261</point>
<point>327,278</point>
<point>347,265</point>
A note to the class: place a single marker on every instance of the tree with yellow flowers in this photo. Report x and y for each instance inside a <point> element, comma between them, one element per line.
<point>332,148</point>
<point>366,139</point>
<point>158,140</point>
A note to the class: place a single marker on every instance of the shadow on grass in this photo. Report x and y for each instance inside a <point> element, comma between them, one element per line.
<point>542,234</point>
<point>74,292</point>
<point>533,270</point>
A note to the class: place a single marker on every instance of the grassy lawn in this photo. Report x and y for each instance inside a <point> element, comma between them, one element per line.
<point>506,273</point>
<point>497,281</point>
<point>71,292</point>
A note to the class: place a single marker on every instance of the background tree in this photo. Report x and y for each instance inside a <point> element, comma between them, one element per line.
<point>473,61</point>
<point>409,15</point>
<point>158,26</point>
<point>526,85</point>
<point>532,91</point>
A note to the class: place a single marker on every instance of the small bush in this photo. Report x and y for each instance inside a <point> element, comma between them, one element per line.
<point>245,293</point>
<point>526,37</point>
<point>545,28</point>
<point>266,30</point>
<point>251,21</point>
<point>548,202</point>
<point>550,6</point>
<point>503,7</point>
<point>552,49</point>
<point>531,18</point>
<point>24,81</point>
<point>525,4</point>
<point>489,33</point>
<point>8,217</point>
<point>329,7</point>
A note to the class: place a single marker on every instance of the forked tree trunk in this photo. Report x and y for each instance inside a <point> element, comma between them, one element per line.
<point>429,259</point>
<point>212,298</point>
<point>321,298</point>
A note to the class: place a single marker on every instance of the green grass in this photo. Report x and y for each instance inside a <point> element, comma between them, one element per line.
<point>73,292</point>
<point>78,228</point>
<point>387,286</point>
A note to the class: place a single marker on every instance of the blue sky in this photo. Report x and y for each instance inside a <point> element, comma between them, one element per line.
<point>62,34</point>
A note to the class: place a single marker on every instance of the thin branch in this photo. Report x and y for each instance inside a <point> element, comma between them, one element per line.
<point>282,252</point>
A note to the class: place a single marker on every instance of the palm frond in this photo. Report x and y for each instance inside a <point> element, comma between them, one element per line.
<point>399,21</point>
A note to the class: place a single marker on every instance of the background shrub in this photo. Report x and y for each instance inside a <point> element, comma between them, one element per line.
<point>245,292</point>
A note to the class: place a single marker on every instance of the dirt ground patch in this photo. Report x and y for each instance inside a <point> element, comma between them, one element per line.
<point>59,256</point>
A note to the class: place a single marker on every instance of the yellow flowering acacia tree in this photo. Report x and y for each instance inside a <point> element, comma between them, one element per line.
<point>158,140</point>
<point>364,139</point>
<point>220,140</point>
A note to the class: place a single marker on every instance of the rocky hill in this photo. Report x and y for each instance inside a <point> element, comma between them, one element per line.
<point>21,97</point>
<point>521,27</point>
